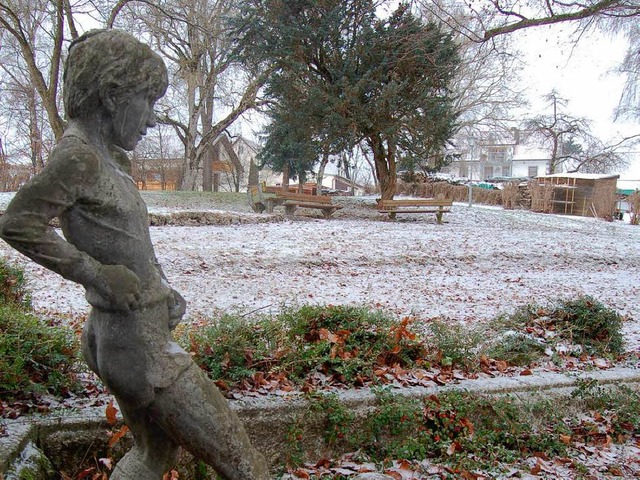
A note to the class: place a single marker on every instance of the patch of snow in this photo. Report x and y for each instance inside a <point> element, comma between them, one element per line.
<point>481,262</point>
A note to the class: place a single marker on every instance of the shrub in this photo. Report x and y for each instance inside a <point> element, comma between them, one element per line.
<point>232,348</point>
<point>582,321</point>
<point>34,357</point>
<point>340,341</point>
<point>515,348</point>
<point>619,402</point>
<point>347,341</point>
<point>13,285</point>
<point>456,344</point>
<point>587,322</point>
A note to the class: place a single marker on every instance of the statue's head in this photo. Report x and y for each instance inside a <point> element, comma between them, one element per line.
<point>113,62</point>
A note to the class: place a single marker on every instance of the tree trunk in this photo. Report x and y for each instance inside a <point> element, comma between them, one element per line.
<point>285,176</point>
<point>385,163</point>
<point>254,174</point>
<point>35,132</point>
<point>323,165</point>
<point>207,170</point>
<point>190,175</point>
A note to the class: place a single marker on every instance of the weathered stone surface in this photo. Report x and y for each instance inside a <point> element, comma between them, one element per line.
<point>111,84</point>
<point>32,464</point>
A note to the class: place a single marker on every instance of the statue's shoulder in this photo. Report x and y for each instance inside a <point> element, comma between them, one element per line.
<point>73,156</point>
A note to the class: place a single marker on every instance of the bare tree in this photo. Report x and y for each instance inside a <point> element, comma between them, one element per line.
<point>209,90</point>
<point>484,87</point>
<point>37,32</point>
<point>498,18</point>
<point>512,15</point>
<point>572,146</point>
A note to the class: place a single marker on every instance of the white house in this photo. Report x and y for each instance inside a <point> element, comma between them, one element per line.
<point>338,184</point>
<point>529,161</point>
<point>483,159</point>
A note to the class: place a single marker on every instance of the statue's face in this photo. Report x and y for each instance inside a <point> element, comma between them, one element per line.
<point>131,119</point>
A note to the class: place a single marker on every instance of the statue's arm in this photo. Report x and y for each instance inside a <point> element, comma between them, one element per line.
<point>179,306</point>
<point>25,225</point>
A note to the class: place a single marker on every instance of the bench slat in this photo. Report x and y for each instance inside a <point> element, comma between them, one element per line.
<point>303,197</point>
<point>415,203</point>
<point>311,205</point>
<point>439,206</point>
<point>421,210</point>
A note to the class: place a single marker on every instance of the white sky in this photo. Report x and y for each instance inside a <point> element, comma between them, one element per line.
<point>583,73</point>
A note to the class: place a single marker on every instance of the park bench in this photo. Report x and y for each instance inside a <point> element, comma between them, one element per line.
<point>293,200</point>
<point>417,205</point>
<point>264,199</point>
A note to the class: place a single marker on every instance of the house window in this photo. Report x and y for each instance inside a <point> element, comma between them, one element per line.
<point>464,171</point>
<point>533,171</point>
<point>506,171</point>
<point>496,154</point>
<point>488,171</point>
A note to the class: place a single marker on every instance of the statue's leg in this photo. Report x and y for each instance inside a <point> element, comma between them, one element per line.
<point>153,453</point>
<point>198,417</point>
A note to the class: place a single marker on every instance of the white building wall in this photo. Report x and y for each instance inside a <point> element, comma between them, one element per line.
<point>520,168</point>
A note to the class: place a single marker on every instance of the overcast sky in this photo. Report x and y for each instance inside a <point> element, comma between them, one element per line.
<point>583,73</point>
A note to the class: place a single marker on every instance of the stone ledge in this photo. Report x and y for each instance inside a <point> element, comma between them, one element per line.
<point>268,419</point>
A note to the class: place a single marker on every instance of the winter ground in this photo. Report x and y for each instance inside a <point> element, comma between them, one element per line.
<point>479,263</point>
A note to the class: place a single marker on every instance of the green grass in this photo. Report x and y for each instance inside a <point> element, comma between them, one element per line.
<point>471,432</point>
<point>348,345</point>
<point>345,343</point>
<point>34,357</point>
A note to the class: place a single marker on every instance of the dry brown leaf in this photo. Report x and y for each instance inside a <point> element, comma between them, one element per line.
<point>536,469</point>
<point>85,473</point>
<point>118,435</point>
<point>566,439</point>
<point>394,474</point>
<point>110,413</point>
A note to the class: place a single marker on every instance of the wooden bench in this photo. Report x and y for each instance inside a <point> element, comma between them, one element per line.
<point>292,200</point>
<point>418,205</point>
<point>263,198</point>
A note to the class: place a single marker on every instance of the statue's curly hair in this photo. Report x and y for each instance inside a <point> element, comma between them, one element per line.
<point>109,59</point>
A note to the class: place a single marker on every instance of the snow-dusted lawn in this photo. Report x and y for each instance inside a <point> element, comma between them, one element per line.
<point>481,262</point>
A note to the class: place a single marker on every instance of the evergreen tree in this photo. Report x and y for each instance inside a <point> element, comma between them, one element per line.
<point>352,77</point>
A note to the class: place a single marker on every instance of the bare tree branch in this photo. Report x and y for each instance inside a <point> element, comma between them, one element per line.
<point>611,8</point>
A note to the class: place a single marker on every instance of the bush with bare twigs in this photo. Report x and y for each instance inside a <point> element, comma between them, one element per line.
<point>541,197</point>
<point>634,207</point>
<point>510,195</point>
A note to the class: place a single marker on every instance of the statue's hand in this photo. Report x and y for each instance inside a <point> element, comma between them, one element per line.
<point>177,308</point>
<point>117,286</point>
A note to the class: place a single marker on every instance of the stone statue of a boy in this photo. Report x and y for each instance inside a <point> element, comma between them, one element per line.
<point>111,83</point>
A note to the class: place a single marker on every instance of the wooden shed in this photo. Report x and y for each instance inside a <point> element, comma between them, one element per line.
<point>582,194</point>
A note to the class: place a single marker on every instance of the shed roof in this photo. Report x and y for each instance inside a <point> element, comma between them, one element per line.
<point>583,176</point>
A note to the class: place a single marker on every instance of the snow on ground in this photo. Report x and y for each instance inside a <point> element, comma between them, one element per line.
<point>481,262</point>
